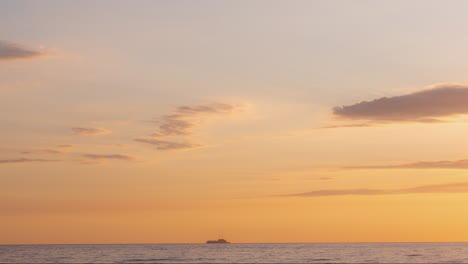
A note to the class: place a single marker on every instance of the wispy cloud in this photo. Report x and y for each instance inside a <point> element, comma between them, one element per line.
<point>13,51</point>
<point>89,131</point>
<point>461,187</point>
<point>346,125</point>
<point>444,164</point>
<point>25,160</point>
<point>175,129</point>
<point>181,121</point>
<point>108,157</point>
<point>166,145</point>
<point>43,151</point>
<point>427,106</point>
<point>326,178</point>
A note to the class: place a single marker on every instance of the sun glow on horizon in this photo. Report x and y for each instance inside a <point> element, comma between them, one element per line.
<point>272,121</point>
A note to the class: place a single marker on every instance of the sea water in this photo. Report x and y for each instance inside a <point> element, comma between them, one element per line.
<point>239,253</point>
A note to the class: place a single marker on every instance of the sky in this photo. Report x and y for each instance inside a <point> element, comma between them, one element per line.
<point>254,121</point>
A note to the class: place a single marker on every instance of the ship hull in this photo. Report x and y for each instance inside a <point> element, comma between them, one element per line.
<point>219,241</point>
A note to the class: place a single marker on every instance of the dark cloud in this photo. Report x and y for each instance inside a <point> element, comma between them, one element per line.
<point>180,123</point>
<point>65,146</point>
<point>25,160</point>
<point>108,157</point>
<point>436,188</point>
<point>12,51</point>
<point>89,131</point>
<point>444,164</point>
<point>426,106</point>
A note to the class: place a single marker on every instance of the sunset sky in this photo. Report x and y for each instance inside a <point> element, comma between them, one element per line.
<point>257,121</point>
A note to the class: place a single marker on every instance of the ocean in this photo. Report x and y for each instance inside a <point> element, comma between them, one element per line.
<point>239,253</point>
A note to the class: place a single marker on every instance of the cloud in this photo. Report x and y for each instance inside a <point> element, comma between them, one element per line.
<point>166,145</point>
<point>89,131</point>
<point>64,146</point>
<point>25,160</point>
<point>444,164</point>
<point>13,51</point>
<point>436,188</point>
<point>348,125</point>
<point>108,157</point>
<point>427,106</point>
<point>180,124</point>
<point>43,151</point>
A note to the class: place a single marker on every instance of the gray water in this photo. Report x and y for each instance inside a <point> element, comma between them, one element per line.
<point>239,253</point>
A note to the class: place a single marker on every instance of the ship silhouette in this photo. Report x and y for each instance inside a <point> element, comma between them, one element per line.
<point>219,241</point>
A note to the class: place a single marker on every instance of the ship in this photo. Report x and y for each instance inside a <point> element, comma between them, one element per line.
<point>219,241</point>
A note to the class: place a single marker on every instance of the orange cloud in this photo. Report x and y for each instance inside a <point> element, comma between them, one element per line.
<point>13,51</point>
<point>108,157</point>
<point>65,146</point>
<point>89,131</point>
<point>43,151</point>
<point>25,160</point>
<point>444,164</point>
<point>180,123</point>
<point>166,145</point>
<point>436,188</point>
<point>425,106</point>
<point>348,125</point>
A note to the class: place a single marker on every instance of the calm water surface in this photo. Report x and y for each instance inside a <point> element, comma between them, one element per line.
<point>239,253</point>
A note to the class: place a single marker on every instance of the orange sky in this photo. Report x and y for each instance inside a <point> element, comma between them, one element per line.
<point>179,122</point>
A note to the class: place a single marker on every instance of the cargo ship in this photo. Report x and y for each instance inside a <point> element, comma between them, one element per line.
<point>219,241</point>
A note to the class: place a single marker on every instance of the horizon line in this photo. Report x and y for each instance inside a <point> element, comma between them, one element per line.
<point>197,243</point>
